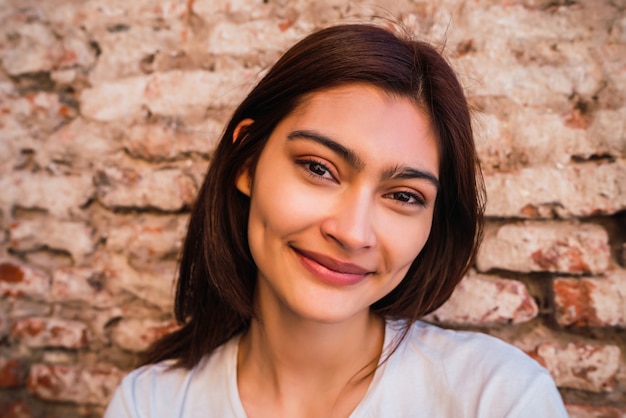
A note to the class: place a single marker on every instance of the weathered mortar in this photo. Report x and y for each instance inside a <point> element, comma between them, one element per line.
<point>109,111</point>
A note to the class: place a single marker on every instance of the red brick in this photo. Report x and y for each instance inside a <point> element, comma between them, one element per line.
<point>10,273</point>
<point>580,365</point>
<point>482,300</point>
<point>75,384</point>
<point>5,320</point>
<point>50,332</point>
<point>595,411</point>
<point>591,301</point>
<point>13,372</point>
<point>16,409</point>
<point>545,246</point>
<point>18,280</point>
<point>137,334</point>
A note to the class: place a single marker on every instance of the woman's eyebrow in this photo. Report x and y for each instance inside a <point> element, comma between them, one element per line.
<point>348,155</point>
<point>404,172</point>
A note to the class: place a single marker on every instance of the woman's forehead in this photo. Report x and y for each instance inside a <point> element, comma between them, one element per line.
<point>367,120</point>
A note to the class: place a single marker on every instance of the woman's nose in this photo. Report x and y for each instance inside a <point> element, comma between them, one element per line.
<point>351,223</point>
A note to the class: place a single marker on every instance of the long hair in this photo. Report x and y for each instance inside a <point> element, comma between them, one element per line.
<point>217,276</point>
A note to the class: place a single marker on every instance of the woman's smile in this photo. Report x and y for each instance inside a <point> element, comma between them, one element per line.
<point>330,270</point>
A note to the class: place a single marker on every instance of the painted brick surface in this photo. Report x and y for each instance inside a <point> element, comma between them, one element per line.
<point>154,285</point>
<point>548,247</point>
<point>81,285</point>
<point>171,93</point>
<point>76,238</point>
<point>582,366</point>
<point>124,44</point>
<point>167,189</point>
<point>548,192</point>
<point>109,114</point>
<point>34,191</point>
<point>137,334</point>
<point>81,144</point>
<point>149,239</point>
<point>171,140</point>
<point>481,300</point>
<point>50,332</point>
<point>62,383</point>
<point>36,50</point>
<point>242,39</point>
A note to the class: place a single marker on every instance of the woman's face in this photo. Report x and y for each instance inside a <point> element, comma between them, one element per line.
<point>341,202</point>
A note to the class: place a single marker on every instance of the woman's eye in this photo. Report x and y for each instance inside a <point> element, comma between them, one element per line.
<point>407,198</point>
<point>316,169</point>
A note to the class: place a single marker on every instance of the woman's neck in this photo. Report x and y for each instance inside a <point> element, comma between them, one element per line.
<point>290,362</point>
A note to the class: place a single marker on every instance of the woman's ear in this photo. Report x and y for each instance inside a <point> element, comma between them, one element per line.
<point>243,182</point>
<point>241,125</point>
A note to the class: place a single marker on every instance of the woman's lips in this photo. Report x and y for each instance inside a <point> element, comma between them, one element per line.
<point>332,271</point>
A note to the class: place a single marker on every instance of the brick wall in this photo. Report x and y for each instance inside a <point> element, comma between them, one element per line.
<point>109,111</point>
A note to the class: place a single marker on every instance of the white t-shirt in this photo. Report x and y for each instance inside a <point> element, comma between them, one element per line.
<point>433,373</point>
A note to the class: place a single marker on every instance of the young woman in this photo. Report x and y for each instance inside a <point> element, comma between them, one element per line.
<point>343,203</point>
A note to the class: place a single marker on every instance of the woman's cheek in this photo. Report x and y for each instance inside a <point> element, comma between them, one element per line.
<point>295,202</point>
<point>405,236</point>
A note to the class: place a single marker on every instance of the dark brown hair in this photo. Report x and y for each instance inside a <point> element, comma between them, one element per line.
<point>214,297</point>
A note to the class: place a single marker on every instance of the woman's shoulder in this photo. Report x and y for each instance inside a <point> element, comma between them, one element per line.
<point>468,371</point>
<point>463,353</point>
<point>165,390</point>
<point>157,377</point>
<point>152,390</point>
